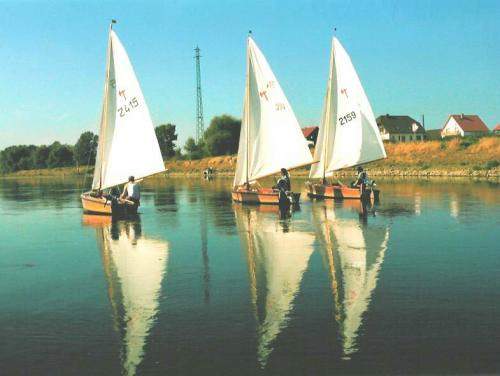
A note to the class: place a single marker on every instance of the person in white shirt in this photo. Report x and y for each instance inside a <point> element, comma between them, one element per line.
<point>131,191</point>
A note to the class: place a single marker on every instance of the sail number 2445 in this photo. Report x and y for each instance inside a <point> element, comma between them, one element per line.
<point>347,118</point>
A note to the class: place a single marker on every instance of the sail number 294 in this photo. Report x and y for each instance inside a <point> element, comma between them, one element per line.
<point>347,118</point>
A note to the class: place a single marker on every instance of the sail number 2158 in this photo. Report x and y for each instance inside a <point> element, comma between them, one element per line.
<point>347,118</point>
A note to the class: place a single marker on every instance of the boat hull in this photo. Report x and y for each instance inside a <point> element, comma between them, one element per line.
<point>337,191</point>
<point>103,206</point>
<point>265,196</point>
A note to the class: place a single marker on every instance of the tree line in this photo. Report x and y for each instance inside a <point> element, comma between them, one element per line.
<point>220,138</point>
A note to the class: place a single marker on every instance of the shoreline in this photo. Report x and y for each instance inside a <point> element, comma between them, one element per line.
<point>195,169</point>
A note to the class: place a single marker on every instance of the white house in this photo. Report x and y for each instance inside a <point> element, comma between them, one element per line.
<point>400,128</point>
<point>464,125</point>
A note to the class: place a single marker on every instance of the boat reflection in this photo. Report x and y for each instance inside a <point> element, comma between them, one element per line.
<point>134,267</point>
<point>277,258</point>
<point>354,252</point>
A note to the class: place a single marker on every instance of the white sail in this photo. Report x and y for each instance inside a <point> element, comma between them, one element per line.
<point>270,136</point>
<point>348,135</point>
<point>127,140</point>
<point>135,268</point>
<point>280,258</point>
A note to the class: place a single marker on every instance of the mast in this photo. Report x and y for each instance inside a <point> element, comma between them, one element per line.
<point>247,105</point>
<point>105,105</point>
<point>328,107</point>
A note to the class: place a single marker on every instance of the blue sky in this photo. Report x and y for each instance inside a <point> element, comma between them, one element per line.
<point>413,57</point>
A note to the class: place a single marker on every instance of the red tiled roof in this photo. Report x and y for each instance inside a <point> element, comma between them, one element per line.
<point>470,123</point>
<point>497,128</point>
<point>307,131</point>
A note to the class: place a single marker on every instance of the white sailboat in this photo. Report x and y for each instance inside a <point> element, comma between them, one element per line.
<point>270,136</point>
<point>127,140</point>
<point>134,267</point>
<point>277,260</point>
<point>355,253</point>
<point>348,134</point>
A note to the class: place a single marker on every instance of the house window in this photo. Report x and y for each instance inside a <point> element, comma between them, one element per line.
<point>411,138</point>
<point>419,138</point>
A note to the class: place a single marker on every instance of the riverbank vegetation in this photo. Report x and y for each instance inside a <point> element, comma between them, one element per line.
<point>217,149</point>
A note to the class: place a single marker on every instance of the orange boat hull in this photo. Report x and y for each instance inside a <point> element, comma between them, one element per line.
<point>340,192</point>
<point>267,196</point>
<point>100,205</point>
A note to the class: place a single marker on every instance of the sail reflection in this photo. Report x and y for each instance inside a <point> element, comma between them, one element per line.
<point>277,259</point>
<point>134,267</point>
<point>354,253</point>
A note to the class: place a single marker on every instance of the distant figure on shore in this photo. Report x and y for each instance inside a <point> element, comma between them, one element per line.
<point>131,191</point>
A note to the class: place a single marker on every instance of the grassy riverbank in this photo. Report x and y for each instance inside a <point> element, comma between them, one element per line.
<point>457,157</point>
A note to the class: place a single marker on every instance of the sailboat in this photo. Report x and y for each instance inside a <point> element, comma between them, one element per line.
<point>134,267</point>
<point>270,136</point>
<point>127,140</point>
<point>348,135</point>
<point>354,254</point>
<point>277,260</point>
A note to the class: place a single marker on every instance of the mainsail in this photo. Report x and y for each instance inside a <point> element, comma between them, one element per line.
<point>127,140</point>
<point>270,136</point>
<point>134,267</point>
<point>348,135</point>
<point>277,259</point>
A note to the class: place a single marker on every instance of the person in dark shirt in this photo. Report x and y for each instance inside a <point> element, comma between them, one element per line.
<point>362,178</point>
<point>284,182</point>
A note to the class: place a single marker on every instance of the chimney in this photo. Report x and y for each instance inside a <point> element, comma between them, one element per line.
<point>423,121</point>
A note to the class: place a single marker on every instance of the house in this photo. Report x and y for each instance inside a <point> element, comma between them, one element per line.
<point>496,130</point>
<point>464,125</point>
<point>311,134</point>
<point>400,128</point>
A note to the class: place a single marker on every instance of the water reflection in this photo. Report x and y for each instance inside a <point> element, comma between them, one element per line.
<point>354,252</point>
<point>134,267</point>
<point>277,259</point>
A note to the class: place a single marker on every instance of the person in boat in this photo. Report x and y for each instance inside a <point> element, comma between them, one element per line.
<point>362,178</point>
<point>131,191</point>
<point>283,182</point>
<point>283,185</point>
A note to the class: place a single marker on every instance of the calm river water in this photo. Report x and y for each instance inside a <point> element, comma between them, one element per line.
<point>199,285</point>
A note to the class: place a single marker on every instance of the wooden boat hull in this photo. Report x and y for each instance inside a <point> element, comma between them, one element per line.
<point>266,196</point>
<point>103,206</point>
<point>337,191</point>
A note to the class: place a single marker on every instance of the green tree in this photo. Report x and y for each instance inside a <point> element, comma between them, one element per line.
<point>222,136</point>
<point>166,136</point>
<point>40,156</point>
<point>194,150</point>
<point>60,155</point>
<point>85,149</point>
<point>15,158</point>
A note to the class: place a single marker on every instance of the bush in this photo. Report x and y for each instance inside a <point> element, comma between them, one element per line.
<point>194,150</point>
<point>491,164</point>
<point>222,136</point>
<point>467,141</point>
